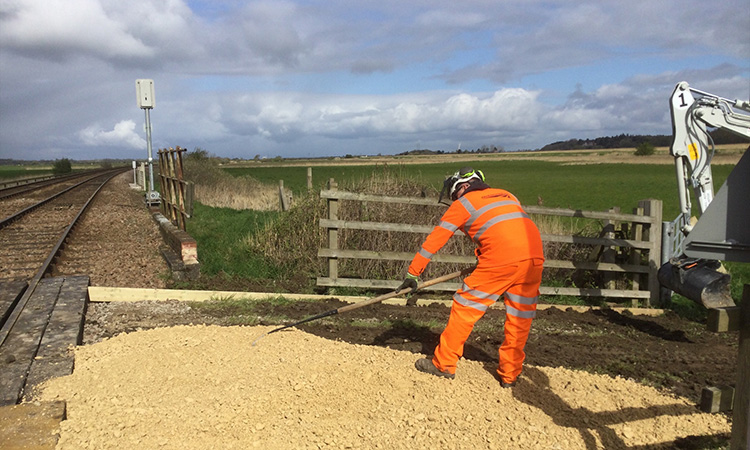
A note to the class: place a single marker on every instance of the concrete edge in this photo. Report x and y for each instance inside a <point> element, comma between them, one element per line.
<point>119,294</point>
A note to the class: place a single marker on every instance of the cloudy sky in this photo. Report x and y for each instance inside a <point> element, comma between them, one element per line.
<point>303,78</point>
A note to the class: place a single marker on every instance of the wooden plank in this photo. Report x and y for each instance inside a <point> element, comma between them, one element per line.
<point>452,286</point>
<point>721,320</point>
<point>716,399</point>
<point>589,265</point>
<point>628,243</point>
<point>426,229</point>
<point>20,347</point>
<point>652,233</point>
<point>392,256</point>
<point>342,195</point>
<point>333,234</point>
<point>119,294</point>
<point>456,259</point>
<point>10,293</point>
<point>592,292</point>
<point>379,226</point>
<point>64,331</point>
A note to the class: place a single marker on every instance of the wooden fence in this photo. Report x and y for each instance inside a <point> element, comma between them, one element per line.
<point>627,247</point>
<point>176,201</point>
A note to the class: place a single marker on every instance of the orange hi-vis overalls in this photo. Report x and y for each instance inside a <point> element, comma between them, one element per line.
<point>510,259</point>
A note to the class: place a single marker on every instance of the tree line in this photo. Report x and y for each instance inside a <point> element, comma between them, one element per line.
<point>719,137</point>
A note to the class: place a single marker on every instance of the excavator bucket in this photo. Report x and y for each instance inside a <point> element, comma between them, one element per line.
<point>698,280</point>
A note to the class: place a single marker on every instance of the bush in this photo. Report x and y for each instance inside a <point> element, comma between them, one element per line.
<point>62,166</point>
<point>645,149</point>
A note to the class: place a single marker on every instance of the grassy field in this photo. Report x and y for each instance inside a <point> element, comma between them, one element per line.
<point>596,187</point>
<point>13,172</point>
<point>32,170</point>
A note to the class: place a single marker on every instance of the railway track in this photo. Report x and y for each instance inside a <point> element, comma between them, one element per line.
<point>41,316</point>
<point>16,195</point>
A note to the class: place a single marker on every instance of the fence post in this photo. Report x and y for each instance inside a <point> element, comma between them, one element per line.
<point>189,198</point>
<point>635,254</point>
<point>309,179</point>
<point>608,253</point>
<point>333,233</point>
<point>653,209</point>
<point>282,197</point>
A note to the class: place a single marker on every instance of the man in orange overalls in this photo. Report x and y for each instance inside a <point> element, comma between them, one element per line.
<point>510,258</point>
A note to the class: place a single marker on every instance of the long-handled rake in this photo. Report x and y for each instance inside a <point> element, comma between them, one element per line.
<point>370,301</point>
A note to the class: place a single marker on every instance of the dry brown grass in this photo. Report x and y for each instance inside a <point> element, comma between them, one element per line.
<point>725,154</point>
<point>293,240</point>
<point>216,188</point>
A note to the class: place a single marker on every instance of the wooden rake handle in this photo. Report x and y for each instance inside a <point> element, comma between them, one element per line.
<point>427,283</point>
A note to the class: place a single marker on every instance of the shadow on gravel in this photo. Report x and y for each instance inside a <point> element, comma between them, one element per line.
<point>406,330</point>
<point>533,389</point>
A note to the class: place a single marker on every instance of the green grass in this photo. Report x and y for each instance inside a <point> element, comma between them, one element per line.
<point>11,172</point>
<point>595,187</point>
<point>220,233</point>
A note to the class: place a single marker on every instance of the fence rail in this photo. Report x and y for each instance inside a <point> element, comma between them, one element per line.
<point>642,247</point>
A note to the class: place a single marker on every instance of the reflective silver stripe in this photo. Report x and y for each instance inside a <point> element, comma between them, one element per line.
<point>509,310</point>
<point>521,299</point>
<point>448,226</point>
<point>479,294</point>
<point>484,209</point>
<point>467,204</point>
<point>498,219</point>
<point>469,303</point>
<point>425,253</point>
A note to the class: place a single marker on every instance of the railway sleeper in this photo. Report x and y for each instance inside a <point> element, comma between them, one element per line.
<point>39,345</point>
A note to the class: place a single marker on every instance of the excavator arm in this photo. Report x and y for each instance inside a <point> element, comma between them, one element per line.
<point>695,274</point>
<point>692,146</point>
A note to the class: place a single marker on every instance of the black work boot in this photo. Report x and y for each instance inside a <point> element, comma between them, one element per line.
<point>503,383</point>
<point>425,365</point>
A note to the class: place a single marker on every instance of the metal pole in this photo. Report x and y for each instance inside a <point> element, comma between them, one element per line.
<point>150,158</point>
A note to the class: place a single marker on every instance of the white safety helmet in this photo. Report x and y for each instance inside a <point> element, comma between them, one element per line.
<point>464,175</point>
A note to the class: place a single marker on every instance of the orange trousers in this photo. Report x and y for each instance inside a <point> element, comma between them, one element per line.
<point>519,285</point>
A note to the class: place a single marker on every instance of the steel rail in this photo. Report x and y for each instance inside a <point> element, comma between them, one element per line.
<point>13,217</point>
<point>12,318</point>
<point>8,190</point>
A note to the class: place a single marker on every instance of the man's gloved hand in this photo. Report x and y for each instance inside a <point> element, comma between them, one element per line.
<point>410,282</point>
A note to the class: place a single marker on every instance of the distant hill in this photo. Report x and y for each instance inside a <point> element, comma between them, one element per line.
<point>720,137</point>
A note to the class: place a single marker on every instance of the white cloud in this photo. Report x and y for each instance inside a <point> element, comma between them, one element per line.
<point>122,135</point>
<point>315,76</point>
<point>52,26</point>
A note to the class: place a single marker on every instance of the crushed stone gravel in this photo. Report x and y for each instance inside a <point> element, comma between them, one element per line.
<point>197,387</point>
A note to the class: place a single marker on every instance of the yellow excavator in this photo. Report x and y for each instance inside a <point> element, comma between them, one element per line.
<point>722,230</point>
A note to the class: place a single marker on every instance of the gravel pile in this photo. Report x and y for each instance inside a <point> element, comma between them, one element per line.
<point>198,387</point>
